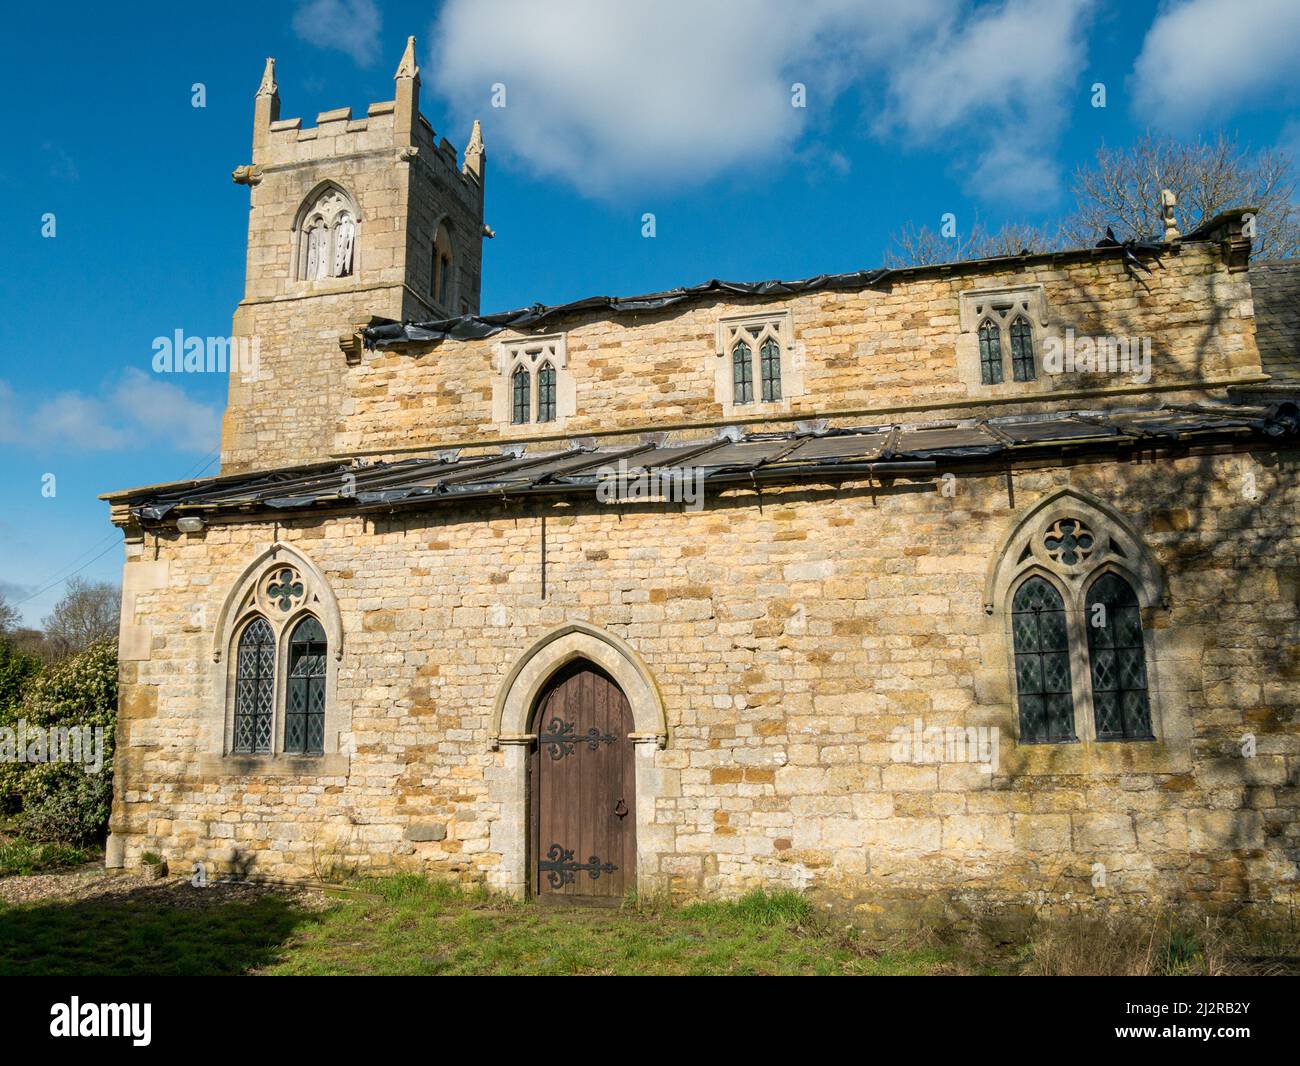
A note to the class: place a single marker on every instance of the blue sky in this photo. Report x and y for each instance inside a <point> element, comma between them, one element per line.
<point>914,109</point>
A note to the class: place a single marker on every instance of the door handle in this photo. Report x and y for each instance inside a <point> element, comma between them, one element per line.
<point>620,809</point>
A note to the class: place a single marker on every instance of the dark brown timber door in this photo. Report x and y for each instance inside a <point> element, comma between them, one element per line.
<point>583,788</point>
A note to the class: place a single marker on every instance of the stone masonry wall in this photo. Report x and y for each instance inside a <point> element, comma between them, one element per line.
<point>861,352</point>
<point>787,640</point>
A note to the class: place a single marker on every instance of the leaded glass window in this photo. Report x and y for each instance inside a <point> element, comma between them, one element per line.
<point>546,393</point>
<point>1022,350</point>
<point>520,388</point>
<point>990,354</point>
<point>770,360</point>
<point>254,688</point>
<point>1042,649</point>
<point>304,708</point>
<point>742,373</point>
<point>1117,656</point>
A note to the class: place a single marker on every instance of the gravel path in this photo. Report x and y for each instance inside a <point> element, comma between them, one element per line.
<point>93,882</point>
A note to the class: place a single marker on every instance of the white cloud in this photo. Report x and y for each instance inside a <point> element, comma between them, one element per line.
<point>348,26</point>
<point>1201,58</point>
<point>997,77</point>
<point>138,410</point>
<point>610,97</point>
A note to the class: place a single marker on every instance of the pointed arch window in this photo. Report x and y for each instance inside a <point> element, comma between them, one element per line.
<point>770,361</point>
<point>1022,350</point>
<point>756,361</point>
<point>345,232</point>
<point>521,398</point>
<point>1117,655</point>
<point>280,636</point>
<point>326,232</point>
<point>990,338</point>
<point>442,269</point>
<point>317,251</point>
<point>1042,649</point>
<point>304,709</point>
<point>742,373</point>
<point>1075,582</point>
<point>532,384</point>
<point>254,688</point>
<point>546,393</point>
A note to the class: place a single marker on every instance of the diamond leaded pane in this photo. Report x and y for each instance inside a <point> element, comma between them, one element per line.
<point>546,393</point>
<point>295,726</point>
<point>990,354</point>
<point>1043,684</point>
<point>304,712</point>
<point>1108,714</point>
<point>521,399</point>
<point>1022,351</point>
<point>742,373</point>
<point>1117,656</point>
<point>316,733</point>
<point>770,358</point>
<point>254,688</point>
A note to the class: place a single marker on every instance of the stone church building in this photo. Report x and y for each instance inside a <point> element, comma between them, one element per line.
<point>942,587</point>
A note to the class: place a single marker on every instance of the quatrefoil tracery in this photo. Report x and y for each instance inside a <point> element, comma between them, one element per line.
<point>1069,541</point>
<point>285,589</point>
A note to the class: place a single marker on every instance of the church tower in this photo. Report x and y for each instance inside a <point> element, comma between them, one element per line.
<point>350,219</point>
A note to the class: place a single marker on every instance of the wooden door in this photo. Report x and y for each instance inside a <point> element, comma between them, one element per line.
<point>583,789</point>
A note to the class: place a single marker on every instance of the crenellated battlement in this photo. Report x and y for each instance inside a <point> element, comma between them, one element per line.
<point>351,218</point>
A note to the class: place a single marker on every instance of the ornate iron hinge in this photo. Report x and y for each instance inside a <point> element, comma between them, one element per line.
<point>561,738</point>
<point>560,869</point>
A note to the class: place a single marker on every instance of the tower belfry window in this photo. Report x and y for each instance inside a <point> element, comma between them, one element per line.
<point>326,233</point>
<point>442,269</point>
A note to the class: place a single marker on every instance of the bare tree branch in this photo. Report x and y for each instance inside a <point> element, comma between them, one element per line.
<point>1121,190</point>
<point>89,611</point>
<point>924,247</point>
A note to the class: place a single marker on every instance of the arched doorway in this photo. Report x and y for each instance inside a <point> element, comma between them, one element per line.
<point>582,788</point>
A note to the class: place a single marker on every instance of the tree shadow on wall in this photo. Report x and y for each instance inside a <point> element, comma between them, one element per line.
<point>170,929</point>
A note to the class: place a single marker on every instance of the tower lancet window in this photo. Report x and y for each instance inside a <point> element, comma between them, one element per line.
<point>326,235</point>
<point>442,269</point>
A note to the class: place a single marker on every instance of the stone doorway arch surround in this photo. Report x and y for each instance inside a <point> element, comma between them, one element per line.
<point>511,733</point>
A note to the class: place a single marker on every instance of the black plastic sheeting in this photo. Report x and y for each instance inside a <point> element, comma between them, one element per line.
<point>814,455</point>
<point>475,327</point>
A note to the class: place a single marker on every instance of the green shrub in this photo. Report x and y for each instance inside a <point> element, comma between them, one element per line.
<point>73,809</point>
<point>24,857</point>
<point>16,670</point>
<point>60,801</point>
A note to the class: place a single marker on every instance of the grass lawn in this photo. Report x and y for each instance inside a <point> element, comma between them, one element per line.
<point>406,925</point>
<point>412,926</point>
<point>86,922</point>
